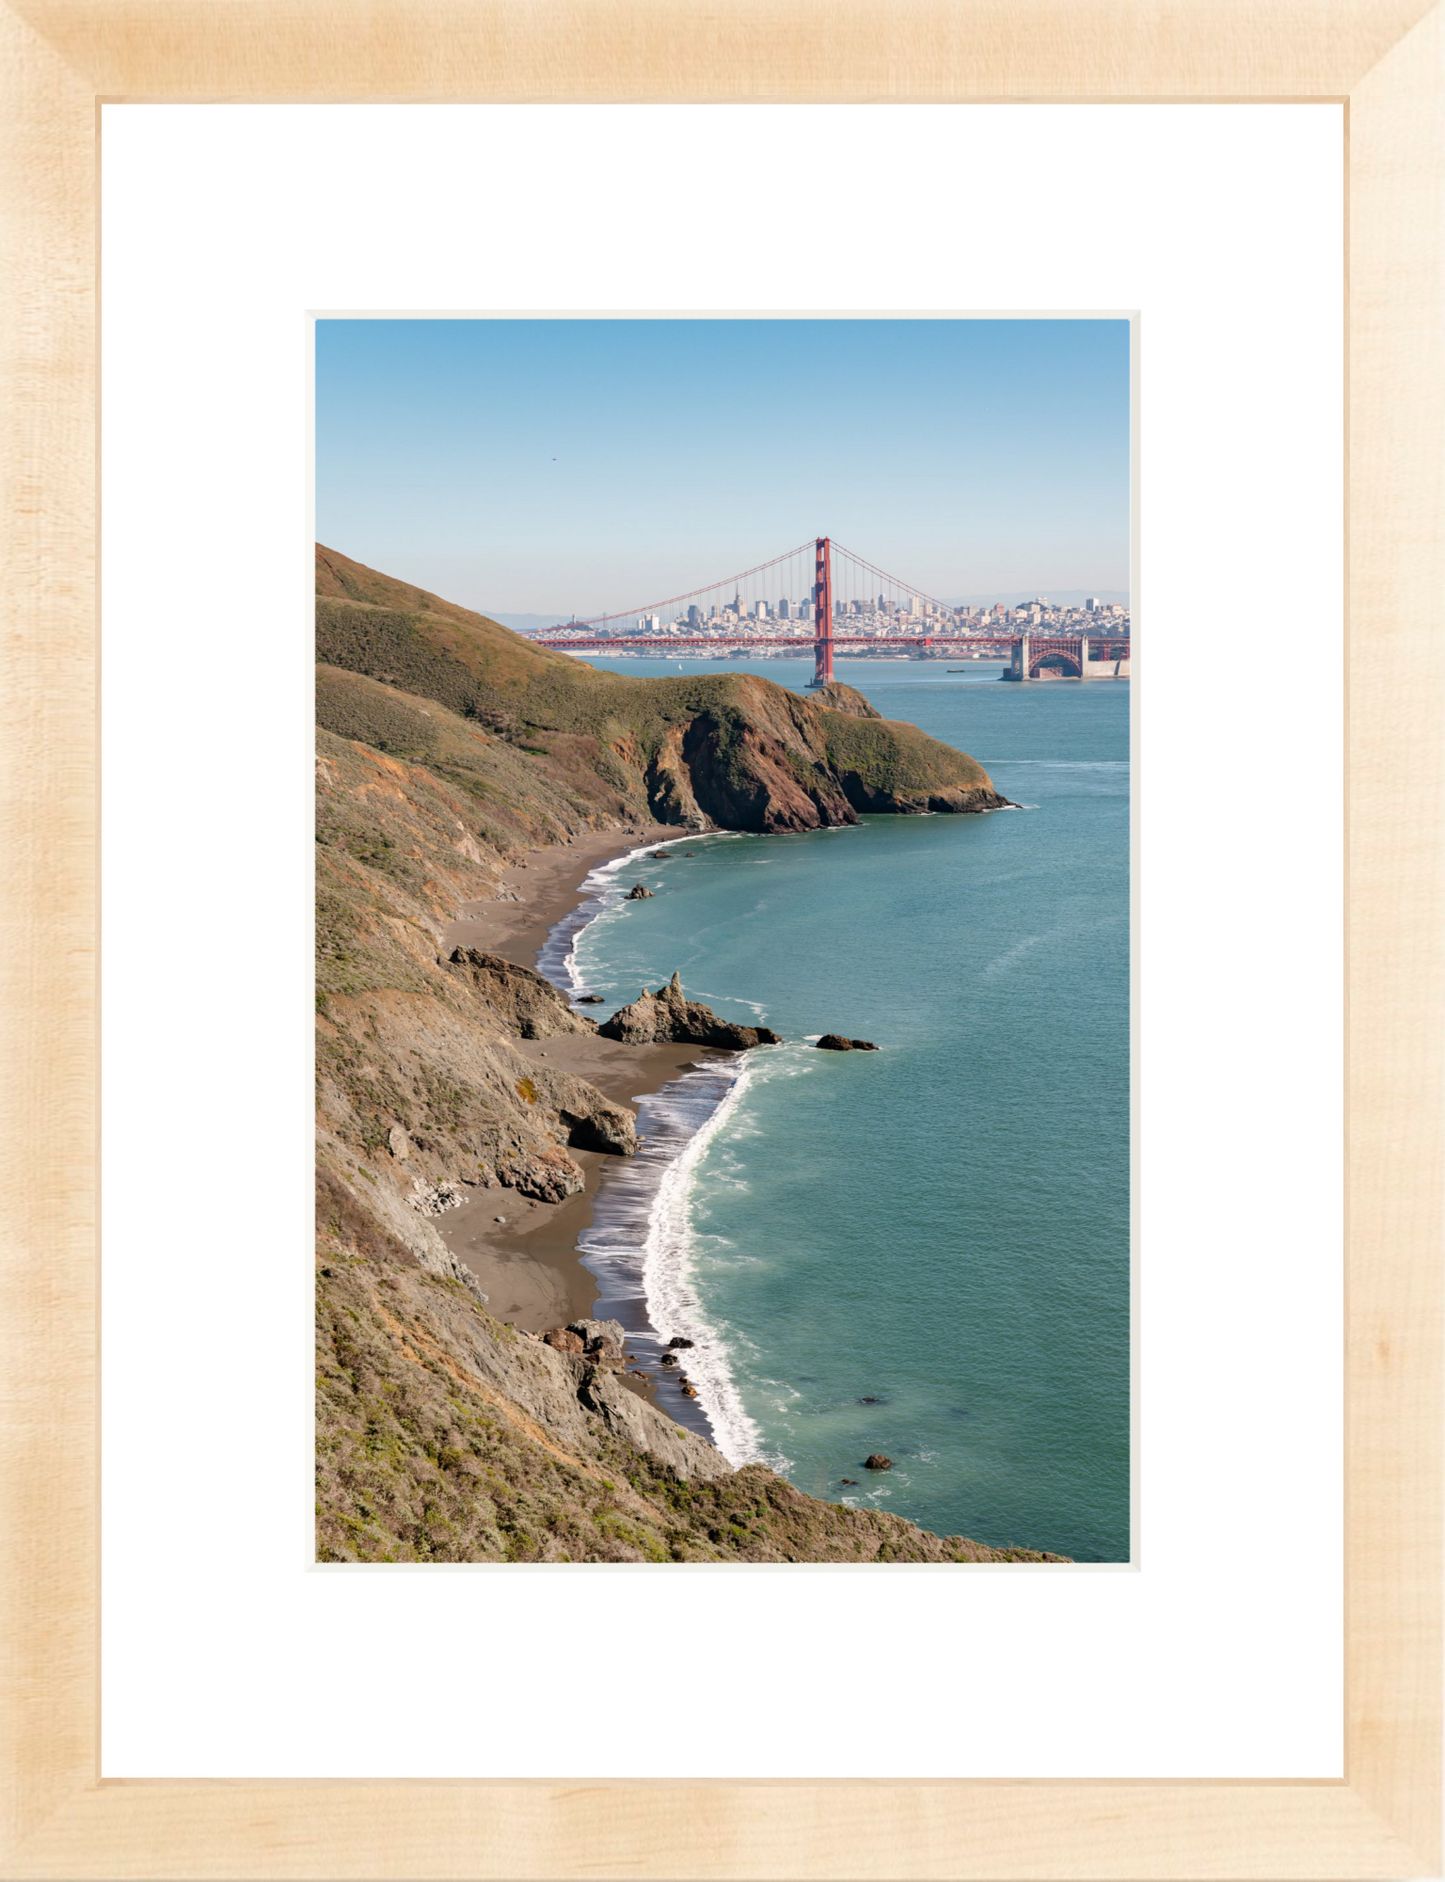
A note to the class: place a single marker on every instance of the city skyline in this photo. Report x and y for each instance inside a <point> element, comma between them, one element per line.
<point>554,467</point>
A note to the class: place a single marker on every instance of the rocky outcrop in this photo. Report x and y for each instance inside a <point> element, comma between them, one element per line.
<point>836,697</point>
<point>523,1001</point>
<point>668,1017</point>
<point>754,771</point>
<point>601,1340</point>
<point>546,1174</point>
<point>638,893</point>
<point>435,1198</point>
<point>630,1418</point>
<point>472,1108</point>
<point>667,780</point>
<point>835,1042</point>
<point>877,1461</point>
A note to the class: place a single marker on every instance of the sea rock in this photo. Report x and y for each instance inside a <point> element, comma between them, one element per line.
<point>522,1000</point>
<point>638,893</point>
<point>877,1461</point>
<point>668,1359</point>
<point>668,1017</point>
<point>677,1342</point>
<point>689,1391</point>
<point>835,1042</point>
<point>589,999</point>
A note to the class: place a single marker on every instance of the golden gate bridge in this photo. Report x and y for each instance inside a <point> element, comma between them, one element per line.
<point>848,604</point>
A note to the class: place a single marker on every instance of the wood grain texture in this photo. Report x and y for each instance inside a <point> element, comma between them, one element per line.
<point>722,48</point>
<point>1397,933</point>
<point>56,58</point>
<point>48,1476</point>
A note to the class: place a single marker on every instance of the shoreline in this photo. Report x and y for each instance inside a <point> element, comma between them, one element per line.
<point>530,1264</point>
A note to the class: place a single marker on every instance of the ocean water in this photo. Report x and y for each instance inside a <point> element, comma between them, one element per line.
<point>922,1251</point>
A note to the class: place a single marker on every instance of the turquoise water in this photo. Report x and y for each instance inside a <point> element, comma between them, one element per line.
<point>943,1226</point>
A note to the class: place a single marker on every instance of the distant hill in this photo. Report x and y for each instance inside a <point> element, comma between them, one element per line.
<point>529,623</point>
<point>1019,597</point>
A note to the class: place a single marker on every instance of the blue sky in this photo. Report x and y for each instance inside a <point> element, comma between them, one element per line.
<point>554,466</point>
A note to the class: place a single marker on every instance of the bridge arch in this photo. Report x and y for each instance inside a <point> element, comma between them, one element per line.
<point>1056,661</point>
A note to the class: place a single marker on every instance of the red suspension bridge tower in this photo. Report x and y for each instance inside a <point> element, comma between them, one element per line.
<point>823,615</point>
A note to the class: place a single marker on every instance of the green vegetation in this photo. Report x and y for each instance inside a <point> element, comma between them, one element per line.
<point>446,747</point>
<point>418,1460</point>
<point>748,754</point>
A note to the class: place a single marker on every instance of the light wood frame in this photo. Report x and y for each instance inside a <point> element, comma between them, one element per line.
<point>1384,59</point>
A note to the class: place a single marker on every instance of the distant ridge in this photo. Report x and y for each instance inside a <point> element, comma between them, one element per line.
<point>1020,597</point>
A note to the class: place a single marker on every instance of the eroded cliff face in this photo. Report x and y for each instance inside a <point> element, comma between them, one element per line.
<point>442,1433</point>
<point>713,750</point>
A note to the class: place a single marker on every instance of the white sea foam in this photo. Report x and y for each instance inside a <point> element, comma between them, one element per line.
<point>602,892</point>
<point>604,897</point>
<point>672,1299</point>
<point>641,1244</point>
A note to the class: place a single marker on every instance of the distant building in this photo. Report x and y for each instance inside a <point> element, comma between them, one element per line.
<point>1091,604</point>
<point>785,609</point>
<point>761,610</point>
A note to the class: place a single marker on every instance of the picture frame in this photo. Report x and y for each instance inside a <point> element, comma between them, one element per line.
<point>1383,62</point>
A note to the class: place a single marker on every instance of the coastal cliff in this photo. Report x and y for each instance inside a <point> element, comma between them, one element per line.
<point>708,751</point>
<point>448,750</point>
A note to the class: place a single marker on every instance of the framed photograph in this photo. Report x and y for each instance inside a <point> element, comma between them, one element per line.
<point>787,671</point>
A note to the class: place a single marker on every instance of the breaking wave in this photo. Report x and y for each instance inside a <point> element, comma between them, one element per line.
<point>640,1247</point>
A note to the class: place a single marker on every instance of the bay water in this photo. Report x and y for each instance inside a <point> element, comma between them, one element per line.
<point>921,1251</point>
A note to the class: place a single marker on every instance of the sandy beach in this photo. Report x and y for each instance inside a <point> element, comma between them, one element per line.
<point>527,1263</point>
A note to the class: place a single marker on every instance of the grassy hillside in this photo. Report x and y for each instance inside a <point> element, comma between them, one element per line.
<point>710,749</point>
<point>445,1436</point>
<point>447,746</point>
